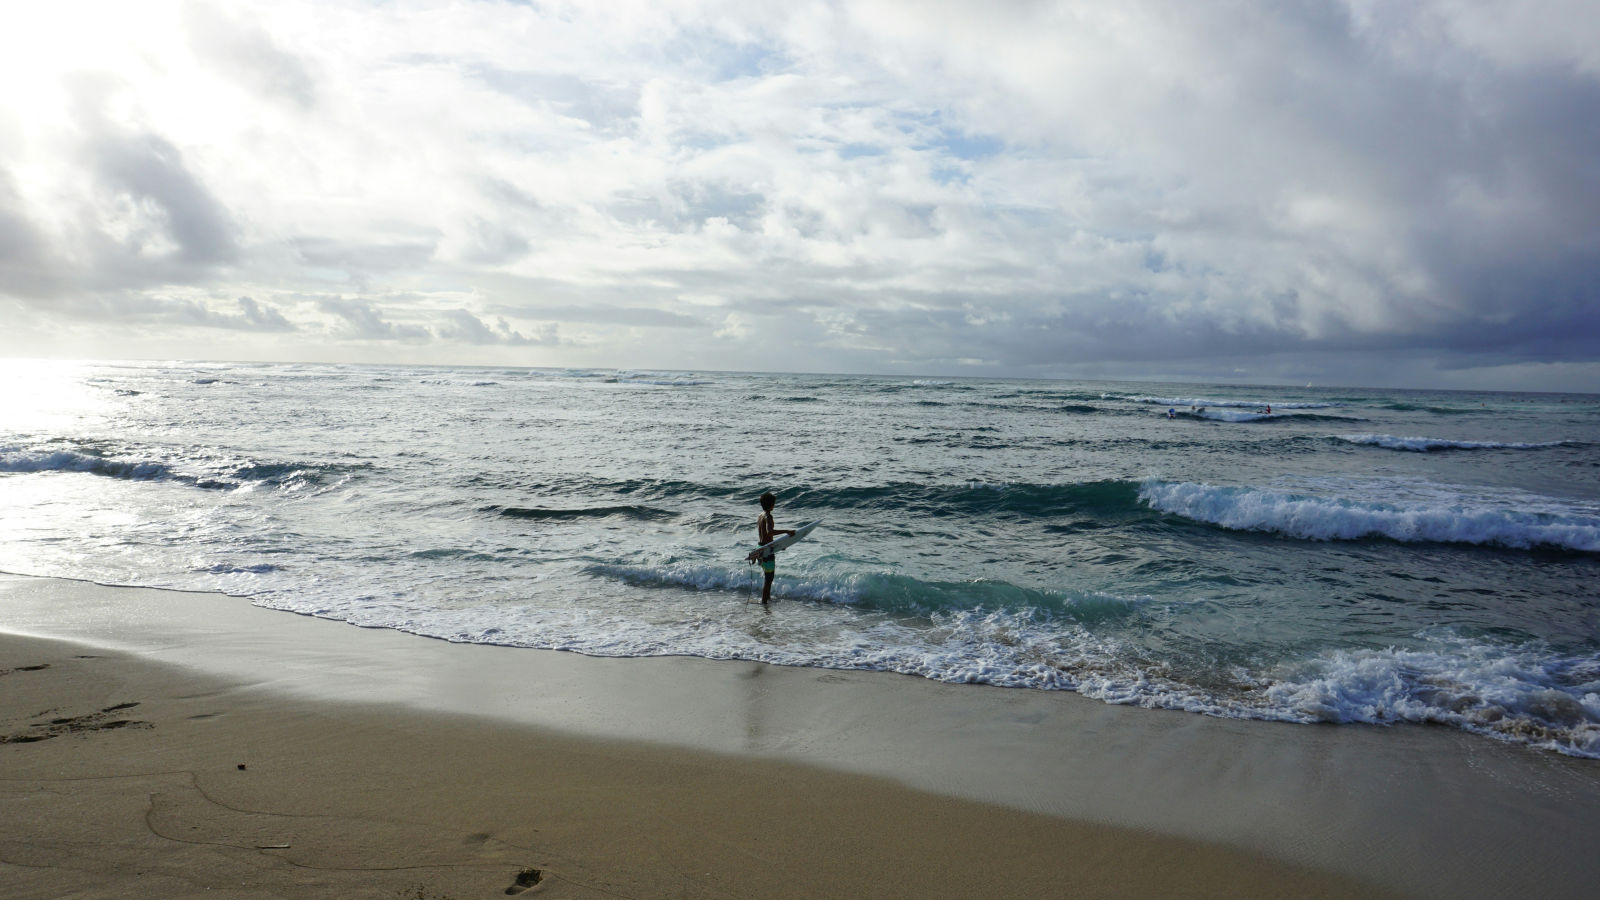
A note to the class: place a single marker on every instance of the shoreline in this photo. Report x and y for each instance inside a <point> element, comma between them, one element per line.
<point>1333,810</point>
<point>161,782</point>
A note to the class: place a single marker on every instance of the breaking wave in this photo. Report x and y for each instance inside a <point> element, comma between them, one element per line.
<point>1423,445</point>
<point>1209,402</point>
<point>1450,518</point>
<point>250,475</point>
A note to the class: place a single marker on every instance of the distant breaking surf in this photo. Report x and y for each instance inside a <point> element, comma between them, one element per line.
<point>1423,445</point>
<point>1236,404</point>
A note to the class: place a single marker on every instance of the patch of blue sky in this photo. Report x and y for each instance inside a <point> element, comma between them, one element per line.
<point>967,145</point>
<point>930,131</point>
<point>602,106</point>
<point>723,59</point>
<point>703,140</point>
<point>947,173</point>
<point>856,151</point>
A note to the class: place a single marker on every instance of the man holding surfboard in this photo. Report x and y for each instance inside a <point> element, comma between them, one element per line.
<point>767,530</point>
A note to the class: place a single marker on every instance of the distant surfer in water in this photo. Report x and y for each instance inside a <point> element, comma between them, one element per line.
<point>767,532</point>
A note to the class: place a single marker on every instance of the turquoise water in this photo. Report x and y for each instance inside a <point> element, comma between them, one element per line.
<point>1350,556</point>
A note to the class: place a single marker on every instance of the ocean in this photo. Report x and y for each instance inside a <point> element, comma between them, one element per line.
<point>1302,555</point>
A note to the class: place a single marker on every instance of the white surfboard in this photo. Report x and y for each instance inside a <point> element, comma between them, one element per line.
<point>788,540</point>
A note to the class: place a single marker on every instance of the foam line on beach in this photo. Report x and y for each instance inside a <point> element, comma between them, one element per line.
<point>1523,694</point>
<point>1060,641</point>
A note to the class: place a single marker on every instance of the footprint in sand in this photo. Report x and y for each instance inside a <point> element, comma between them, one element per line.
<point>527,878</point>
<point>95,721</point>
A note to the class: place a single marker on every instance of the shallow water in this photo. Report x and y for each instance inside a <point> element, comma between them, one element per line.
<point>1349,556</point>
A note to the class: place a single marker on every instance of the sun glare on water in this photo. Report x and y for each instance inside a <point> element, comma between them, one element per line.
<point>41,397</point>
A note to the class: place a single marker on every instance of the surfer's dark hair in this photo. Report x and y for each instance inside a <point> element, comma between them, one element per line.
<point>769,500</point>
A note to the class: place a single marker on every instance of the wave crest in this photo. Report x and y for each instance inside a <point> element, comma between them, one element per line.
<point>69,461</point>
<point>286,476</point>
<point>591,512</point>
<point>1225,402</point>
<point>1457,519</point>
<point>1423,445</point>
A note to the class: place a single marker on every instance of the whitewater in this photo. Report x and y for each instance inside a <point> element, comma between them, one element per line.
<point>1300,555</point>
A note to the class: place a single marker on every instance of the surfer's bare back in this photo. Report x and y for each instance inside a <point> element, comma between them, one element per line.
<point>766,532</point>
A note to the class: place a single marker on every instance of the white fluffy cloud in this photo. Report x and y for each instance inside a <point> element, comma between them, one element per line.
<point>1151,189</point>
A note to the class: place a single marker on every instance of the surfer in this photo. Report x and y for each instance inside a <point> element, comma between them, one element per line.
<point>767,531</point>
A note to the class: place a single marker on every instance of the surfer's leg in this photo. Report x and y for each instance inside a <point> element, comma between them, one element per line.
<point>769,568</point>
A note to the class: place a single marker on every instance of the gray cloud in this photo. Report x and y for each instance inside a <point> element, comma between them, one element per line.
<point>362,321</point>
<point>605,314</point>
<point>254,316</point>
<point>127,214</point>
<point>247,55</point>
<point>149,170</point>
<point>251,316</point>
<point>464,327</point>
<point>162,314</point>
<point>1161,187</point>
<point>27,267</point>
<point>362,259</point>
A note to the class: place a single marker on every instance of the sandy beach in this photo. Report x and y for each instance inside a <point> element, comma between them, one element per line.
<point>167,744</point>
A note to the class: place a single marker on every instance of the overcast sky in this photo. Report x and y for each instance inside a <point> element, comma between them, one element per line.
<point>1333,192</point>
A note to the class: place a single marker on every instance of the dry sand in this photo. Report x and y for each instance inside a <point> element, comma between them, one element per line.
<point>378,764</point>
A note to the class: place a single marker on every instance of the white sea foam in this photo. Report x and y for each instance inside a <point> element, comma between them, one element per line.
<point>1525,694</point>
<point>1448,517</point>
<point>664,379</point>
<point>1422,444</point>
<point>1233,415</point>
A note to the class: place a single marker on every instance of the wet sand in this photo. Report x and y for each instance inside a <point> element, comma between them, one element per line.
<point>380,764</point>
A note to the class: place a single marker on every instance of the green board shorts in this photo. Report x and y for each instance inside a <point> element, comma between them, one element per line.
<point>769,564</point>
